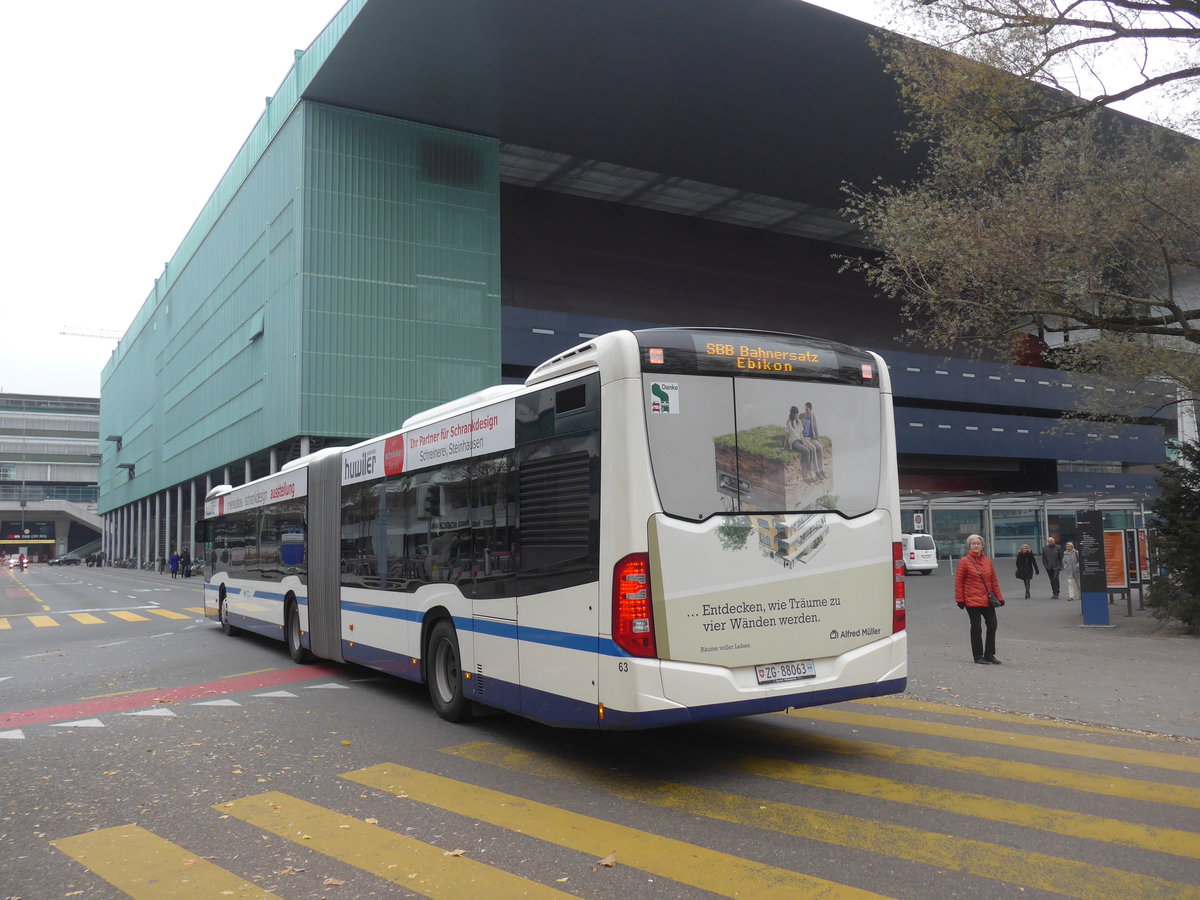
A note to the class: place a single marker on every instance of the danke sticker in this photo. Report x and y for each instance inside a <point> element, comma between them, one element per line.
<point>664,397</point>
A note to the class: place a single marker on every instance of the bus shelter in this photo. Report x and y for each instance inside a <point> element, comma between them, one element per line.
<point>1007,521</point>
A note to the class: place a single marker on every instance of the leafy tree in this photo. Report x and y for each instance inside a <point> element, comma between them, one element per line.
<point>1176,595</point>
<point>1037,211</point>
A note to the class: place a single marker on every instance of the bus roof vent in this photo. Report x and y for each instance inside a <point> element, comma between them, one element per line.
<point>310,458</point>
<point>218,491</point>
<point>578,357</point>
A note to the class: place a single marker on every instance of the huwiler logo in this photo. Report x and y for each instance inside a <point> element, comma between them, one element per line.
<point>363,466</point>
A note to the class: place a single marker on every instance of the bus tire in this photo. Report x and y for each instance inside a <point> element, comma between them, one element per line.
<point>443,673</point>
<point>223,615</point>
<point>295,642</point>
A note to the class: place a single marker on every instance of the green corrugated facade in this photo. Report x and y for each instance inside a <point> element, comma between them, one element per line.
<point>350,280</point>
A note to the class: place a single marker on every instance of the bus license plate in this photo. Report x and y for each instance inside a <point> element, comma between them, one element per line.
<point>786,671</point>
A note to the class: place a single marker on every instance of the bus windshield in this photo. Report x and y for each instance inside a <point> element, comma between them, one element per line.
<point>771,424</point>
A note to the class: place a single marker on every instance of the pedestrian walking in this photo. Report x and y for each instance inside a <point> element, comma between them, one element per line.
<point>185,562</point>
<point>1071,570</point>
<point>174,563</point>
<point>977,590</point>
<point>1052,555</point>
<point>1027,566</point>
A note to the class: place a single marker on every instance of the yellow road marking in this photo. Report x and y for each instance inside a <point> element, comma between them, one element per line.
<point>1050,776</point>
<point>42,622</point>
<point>944,709</point>
<point>1151,758</point>
<point>128,616</point>
<point>198,610</point>
<point>86,619</point>
<point>979,806</point>
<point>168,614</point>
<point>412,864</point>
<point>709,870</point>
<point>147,867</point>
<point>1038,871</point>
<point>5,625</point>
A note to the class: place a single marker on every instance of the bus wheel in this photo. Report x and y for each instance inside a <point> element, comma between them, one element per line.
<point>295,645</point>
<point>223,615</point>
<point>444,674</point>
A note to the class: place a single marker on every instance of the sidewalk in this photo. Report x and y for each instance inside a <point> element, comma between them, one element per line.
<point>1138,674</point>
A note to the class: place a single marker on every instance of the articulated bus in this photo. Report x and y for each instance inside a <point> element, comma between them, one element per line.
<point>652,529</point>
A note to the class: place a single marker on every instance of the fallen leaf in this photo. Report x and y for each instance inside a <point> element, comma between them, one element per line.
<point>332,882</point>
<point>189,862</point>
<point>454,853</point>
<point>345,743</point>
<point>608,861</point>
<point>371,821</point>
<point>289,870</point>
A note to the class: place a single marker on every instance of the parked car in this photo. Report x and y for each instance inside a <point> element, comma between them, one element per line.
<point>919,553</point>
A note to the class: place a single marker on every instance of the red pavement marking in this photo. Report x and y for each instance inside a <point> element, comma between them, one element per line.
<point>83,709</point>
<point>16,593</point>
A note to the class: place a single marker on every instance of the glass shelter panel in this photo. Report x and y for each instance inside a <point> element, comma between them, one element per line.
<point>952,527</point>
<point>1013,529</point>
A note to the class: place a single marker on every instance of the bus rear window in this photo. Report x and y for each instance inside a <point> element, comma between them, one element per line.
<point>745,444</point>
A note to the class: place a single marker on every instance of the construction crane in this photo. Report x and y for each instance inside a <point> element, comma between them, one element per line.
<point>102,333</point>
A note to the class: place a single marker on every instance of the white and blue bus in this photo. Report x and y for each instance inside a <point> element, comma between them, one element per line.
<point>657,527</point>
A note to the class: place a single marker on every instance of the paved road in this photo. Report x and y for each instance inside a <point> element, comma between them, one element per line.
<point>1136,674</point>
<point>294,782</point>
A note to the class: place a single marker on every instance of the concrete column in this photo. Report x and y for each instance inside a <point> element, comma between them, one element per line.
<point>246,468</point>
<point>191,536</point>
<point>304,445</point>
<point>225,476</point>
<point>274,460</point>
<point>178,517</point>
<point>158,527</point>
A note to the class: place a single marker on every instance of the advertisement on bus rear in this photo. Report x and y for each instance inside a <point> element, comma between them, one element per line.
<point>759,589</point>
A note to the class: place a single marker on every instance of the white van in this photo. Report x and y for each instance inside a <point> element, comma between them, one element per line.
<point>919,553</point>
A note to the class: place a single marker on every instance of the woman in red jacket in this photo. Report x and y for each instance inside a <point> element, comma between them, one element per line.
<point>974,585</point>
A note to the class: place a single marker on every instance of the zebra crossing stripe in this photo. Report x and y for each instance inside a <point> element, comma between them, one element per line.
<point>710,870</point>
<point>1026,869</point>
<point>1152,758</point>
<point>147,867</point>
<point>415,865</point>
<point>1100,783</point>
<point>128,616</point>
<point>168,614</point>
<point>980,806</point>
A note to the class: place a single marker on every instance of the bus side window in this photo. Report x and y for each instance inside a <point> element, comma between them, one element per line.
<point>487,561</point>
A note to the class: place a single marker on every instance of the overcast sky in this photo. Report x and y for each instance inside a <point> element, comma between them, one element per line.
<point>122,117</point>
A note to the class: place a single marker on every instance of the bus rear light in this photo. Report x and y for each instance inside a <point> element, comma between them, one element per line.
<point>899,607</point>
<point>632,612</point>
